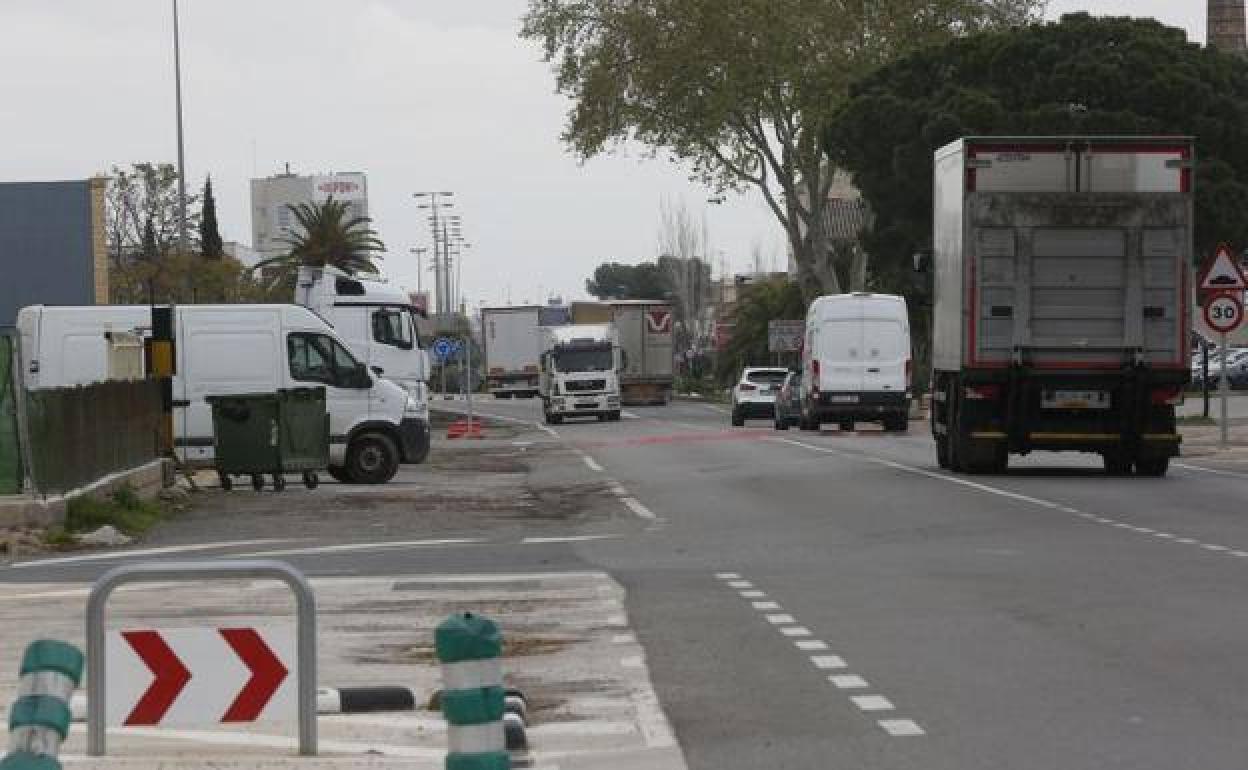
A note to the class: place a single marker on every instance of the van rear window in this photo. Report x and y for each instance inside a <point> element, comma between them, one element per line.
<point>767,378</point>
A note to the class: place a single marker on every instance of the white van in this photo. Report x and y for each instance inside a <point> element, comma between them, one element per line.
<point>225,349</point>
<point>856,362</point>
<point>378,323</point>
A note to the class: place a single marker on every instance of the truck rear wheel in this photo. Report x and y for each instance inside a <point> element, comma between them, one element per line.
<point>1154,466</point>
<point>614,416</point>
<point>1117,463</point>
<point>372,459</point>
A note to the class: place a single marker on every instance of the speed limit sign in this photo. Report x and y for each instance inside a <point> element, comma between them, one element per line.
<point>1224,313</point>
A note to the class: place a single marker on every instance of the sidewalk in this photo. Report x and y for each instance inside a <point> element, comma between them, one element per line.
<point>568,648</point>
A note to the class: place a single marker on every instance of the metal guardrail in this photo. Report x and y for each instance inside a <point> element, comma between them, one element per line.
<point>175,571</point>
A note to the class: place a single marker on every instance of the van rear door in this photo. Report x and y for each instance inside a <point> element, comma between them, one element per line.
<point>885,349</point>
<point>839,348</point>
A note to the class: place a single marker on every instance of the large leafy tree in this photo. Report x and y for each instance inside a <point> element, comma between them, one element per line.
<point>327,236</point>
<point>615,280</point>
<point>1082,75</point>
<point>739,90</point>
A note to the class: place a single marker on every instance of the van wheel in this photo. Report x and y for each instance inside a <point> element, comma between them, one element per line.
<point>339,474</point>
<point>372,459</point>
<point>807,424</point>
<point>847,426</point>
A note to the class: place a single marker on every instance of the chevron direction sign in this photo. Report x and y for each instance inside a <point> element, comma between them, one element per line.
<point>201,676</point>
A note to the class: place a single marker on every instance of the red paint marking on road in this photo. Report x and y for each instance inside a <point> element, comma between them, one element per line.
<point>267,674</point>
<point>170,677</point>
<point>680,438</point>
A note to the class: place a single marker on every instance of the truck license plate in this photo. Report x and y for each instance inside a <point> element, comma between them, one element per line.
<point>844,398</point>
<point>1075,399</point>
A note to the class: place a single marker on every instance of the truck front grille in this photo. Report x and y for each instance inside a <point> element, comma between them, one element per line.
<point>584,386</point>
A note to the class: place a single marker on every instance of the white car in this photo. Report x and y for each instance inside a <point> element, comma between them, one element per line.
<point>755,393</point>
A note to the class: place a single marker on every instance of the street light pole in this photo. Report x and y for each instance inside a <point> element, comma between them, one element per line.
<point>438,269</point>
<point>184,242</point>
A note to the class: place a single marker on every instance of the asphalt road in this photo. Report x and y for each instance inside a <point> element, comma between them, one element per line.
<point>1052,617</point>
<point>828,600</point>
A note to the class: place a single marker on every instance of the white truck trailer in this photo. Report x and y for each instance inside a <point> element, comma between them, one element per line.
<point>579,372</point>
<point>1062,284</point>
<point>511,339</point>
<point>645,333</point>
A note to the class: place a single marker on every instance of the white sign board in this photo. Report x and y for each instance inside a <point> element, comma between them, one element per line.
<point>201,676</point>
<point>785,336</point>
<point>1222,273</point>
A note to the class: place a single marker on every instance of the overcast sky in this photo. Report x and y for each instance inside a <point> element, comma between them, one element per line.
<point>420,95</point>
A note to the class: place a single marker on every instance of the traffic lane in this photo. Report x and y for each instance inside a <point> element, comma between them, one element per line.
<point>1188,507</point>
<point>908,552</point>
<point>1026,633</point>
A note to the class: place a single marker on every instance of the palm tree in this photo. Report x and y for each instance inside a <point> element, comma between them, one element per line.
<point>327,237</point>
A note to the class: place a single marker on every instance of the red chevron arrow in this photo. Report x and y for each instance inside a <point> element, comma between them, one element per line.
<point>267,674</point>
<point>170,677</point>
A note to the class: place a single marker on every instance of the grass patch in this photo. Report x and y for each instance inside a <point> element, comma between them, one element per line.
<point>123,509</point>
<point>1196,420</point>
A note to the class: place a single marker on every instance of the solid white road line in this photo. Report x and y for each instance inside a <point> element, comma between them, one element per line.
<point>1036,501</point>
<point>593,466</point>
<point>901,728</point>
<point>352,547</point>
<point>1214,471</point>
<point>634,505</point>
<point>148,552</point>
<point>565,539</point>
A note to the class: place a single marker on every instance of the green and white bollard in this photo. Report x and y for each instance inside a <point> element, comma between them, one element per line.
<point>39,719</point>
<point>469,647</point>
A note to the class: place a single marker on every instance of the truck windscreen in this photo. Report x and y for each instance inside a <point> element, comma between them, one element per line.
<point>583,360</point>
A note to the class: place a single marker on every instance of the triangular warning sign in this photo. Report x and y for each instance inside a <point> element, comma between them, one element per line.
<point>1222,274</point>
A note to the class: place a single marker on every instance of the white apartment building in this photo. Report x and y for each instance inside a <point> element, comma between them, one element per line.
<point>271,219</point>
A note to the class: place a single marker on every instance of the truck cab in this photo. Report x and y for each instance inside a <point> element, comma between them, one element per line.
<point>378,323</point>
<point>579,372</point>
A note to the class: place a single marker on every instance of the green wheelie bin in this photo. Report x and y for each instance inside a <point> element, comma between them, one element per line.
<point>270,433</point>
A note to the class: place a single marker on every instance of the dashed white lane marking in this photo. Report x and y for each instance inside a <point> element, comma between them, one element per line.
<point>1214,471</point>
<point>350,547</point>
<point>592,464</point>
<point>786,624</point>
<point>848,682</point>
<point>872,702</point>
<point>901,728</point>
<point>753,595</point>
<point>1048,504</point>
<point>618,489</point>
<point>826,662</point>
<point>623,639</point>
<point>635,505</point>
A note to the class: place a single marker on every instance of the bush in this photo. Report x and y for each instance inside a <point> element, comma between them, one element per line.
<point>123,509</point>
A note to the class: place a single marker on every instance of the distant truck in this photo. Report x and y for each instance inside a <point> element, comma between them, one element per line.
<point>378,323</point>
<point>645,334</point>
<point>1061,299</point>
<point>512,344</point>
<point>578,379</point>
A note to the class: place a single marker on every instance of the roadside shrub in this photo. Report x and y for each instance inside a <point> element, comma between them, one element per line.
<point>123,509</point>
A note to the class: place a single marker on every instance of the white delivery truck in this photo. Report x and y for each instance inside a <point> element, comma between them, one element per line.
<point>1062,284</point>
<point>378,323</point>
<point>645,333</point>
<point>578,377</point>
<point>856,361</point>
<point>512,342</point>
<point>229,349</point>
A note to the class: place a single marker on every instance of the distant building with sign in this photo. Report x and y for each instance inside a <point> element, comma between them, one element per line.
<point>271,218</point>
<point>53,249</point>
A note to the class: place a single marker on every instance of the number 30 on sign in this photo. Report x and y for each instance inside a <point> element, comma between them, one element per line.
<point>1224,313</point>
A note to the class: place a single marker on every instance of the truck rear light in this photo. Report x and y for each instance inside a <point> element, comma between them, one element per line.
<point>814,377</point>
<point>1172,396</point>
<point>982,392</point>
<point>745,386</point>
